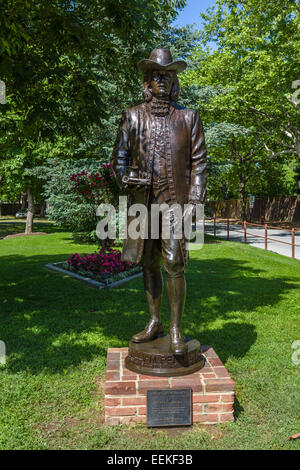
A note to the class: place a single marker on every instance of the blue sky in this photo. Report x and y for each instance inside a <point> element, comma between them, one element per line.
<point>191,12</point>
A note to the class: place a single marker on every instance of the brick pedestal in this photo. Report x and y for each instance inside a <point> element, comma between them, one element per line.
<point>126,391</point>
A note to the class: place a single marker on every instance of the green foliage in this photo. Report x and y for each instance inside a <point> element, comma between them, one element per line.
<point>69,68</point>
<point>257,61</point>
<point>245,96</point>
<point>72,199</point>
<point>180,40</point>
<point>85,237</point>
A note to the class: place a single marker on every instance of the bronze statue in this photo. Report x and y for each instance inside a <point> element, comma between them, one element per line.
<point>160,157</point>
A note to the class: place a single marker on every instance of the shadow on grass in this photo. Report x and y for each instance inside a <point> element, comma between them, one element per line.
<point>51,322</point>
<point>16,226</point>
<point>238,409</point>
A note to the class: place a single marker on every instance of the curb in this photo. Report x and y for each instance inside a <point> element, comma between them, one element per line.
<point>88,280</point>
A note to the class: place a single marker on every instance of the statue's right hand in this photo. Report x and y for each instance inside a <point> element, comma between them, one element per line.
<point>132,188</point>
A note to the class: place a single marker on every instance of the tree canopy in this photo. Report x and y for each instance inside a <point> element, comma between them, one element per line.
<point>246,93</point>
<point>68,68</point>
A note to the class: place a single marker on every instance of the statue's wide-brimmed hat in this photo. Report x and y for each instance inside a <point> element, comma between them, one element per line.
<point>161,59</point>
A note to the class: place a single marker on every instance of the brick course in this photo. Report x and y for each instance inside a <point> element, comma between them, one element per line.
<point>126,391</point>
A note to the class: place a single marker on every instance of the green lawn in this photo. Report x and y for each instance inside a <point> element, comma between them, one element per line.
<point>11,226</point>
<point>242,300</point>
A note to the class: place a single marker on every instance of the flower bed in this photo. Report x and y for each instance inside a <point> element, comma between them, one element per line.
<point>104,265</point>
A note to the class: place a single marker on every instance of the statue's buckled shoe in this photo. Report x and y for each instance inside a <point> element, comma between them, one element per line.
<point>178,346</point>
<point>152,331</point>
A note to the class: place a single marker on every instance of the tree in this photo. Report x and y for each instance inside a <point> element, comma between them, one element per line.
<point>257,60</point>
<point>250,114</point>
<point>59,61</point>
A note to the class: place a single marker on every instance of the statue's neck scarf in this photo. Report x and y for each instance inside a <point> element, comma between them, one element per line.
<point>160,107</point>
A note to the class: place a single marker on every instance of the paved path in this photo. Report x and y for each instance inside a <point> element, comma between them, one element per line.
<point>237,234</point>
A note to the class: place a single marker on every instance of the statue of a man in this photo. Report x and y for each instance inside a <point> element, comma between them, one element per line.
<point>164,142</point>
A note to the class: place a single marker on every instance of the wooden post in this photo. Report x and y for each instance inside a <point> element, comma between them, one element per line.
<point>227,229</point>
<point>293,243</point>
<point>215,228</point>
<point>266,236</point>
<point>245,231</point>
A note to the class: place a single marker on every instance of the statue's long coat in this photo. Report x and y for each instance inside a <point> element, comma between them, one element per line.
<point>185,156</point>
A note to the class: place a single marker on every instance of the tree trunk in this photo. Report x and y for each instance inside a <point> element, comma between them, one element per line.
<point>243,201</point>
<point>43,209</point>
<point>243,209</point>
<point>23,200</point>
<point>30,213</point>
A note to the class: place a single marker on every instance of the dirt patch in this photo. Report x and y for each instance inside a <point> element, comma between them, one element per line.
<point>66,433</point>
<point>25,235</point>
<point>175,431</point>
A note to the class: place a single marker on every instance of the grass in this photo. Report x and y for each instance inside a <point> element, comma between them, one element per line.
<point>242,300</point>
<point>10,226</point>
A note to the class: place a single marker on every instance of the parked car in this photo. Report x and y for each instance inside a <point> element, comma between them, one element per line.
<point>21,214</point>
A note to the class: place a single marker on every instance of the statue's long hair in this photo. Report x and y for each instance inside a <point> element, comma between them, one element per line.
<point>147,91</point>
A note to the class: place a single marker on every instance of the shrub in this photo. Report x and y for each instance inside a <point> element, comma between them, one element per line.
<point>74,189</point>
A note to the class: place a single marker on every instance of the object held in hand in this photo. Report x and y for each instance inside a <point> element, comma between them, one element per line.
<point>135,177</point>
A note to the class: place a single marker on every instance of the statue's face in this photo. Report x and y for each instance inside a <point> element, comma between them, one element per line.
<point>161,83</point>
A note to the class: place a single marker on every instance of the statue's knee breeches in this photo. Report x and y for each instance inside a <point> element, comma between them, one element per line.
<point>172,258</point>
<point>173,269</point>
<point>165,251</point>
<point>151,259</point>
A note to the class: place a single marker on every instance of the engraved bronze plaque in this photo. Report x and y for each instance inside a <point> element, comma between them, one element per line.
<point>169,407</point>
